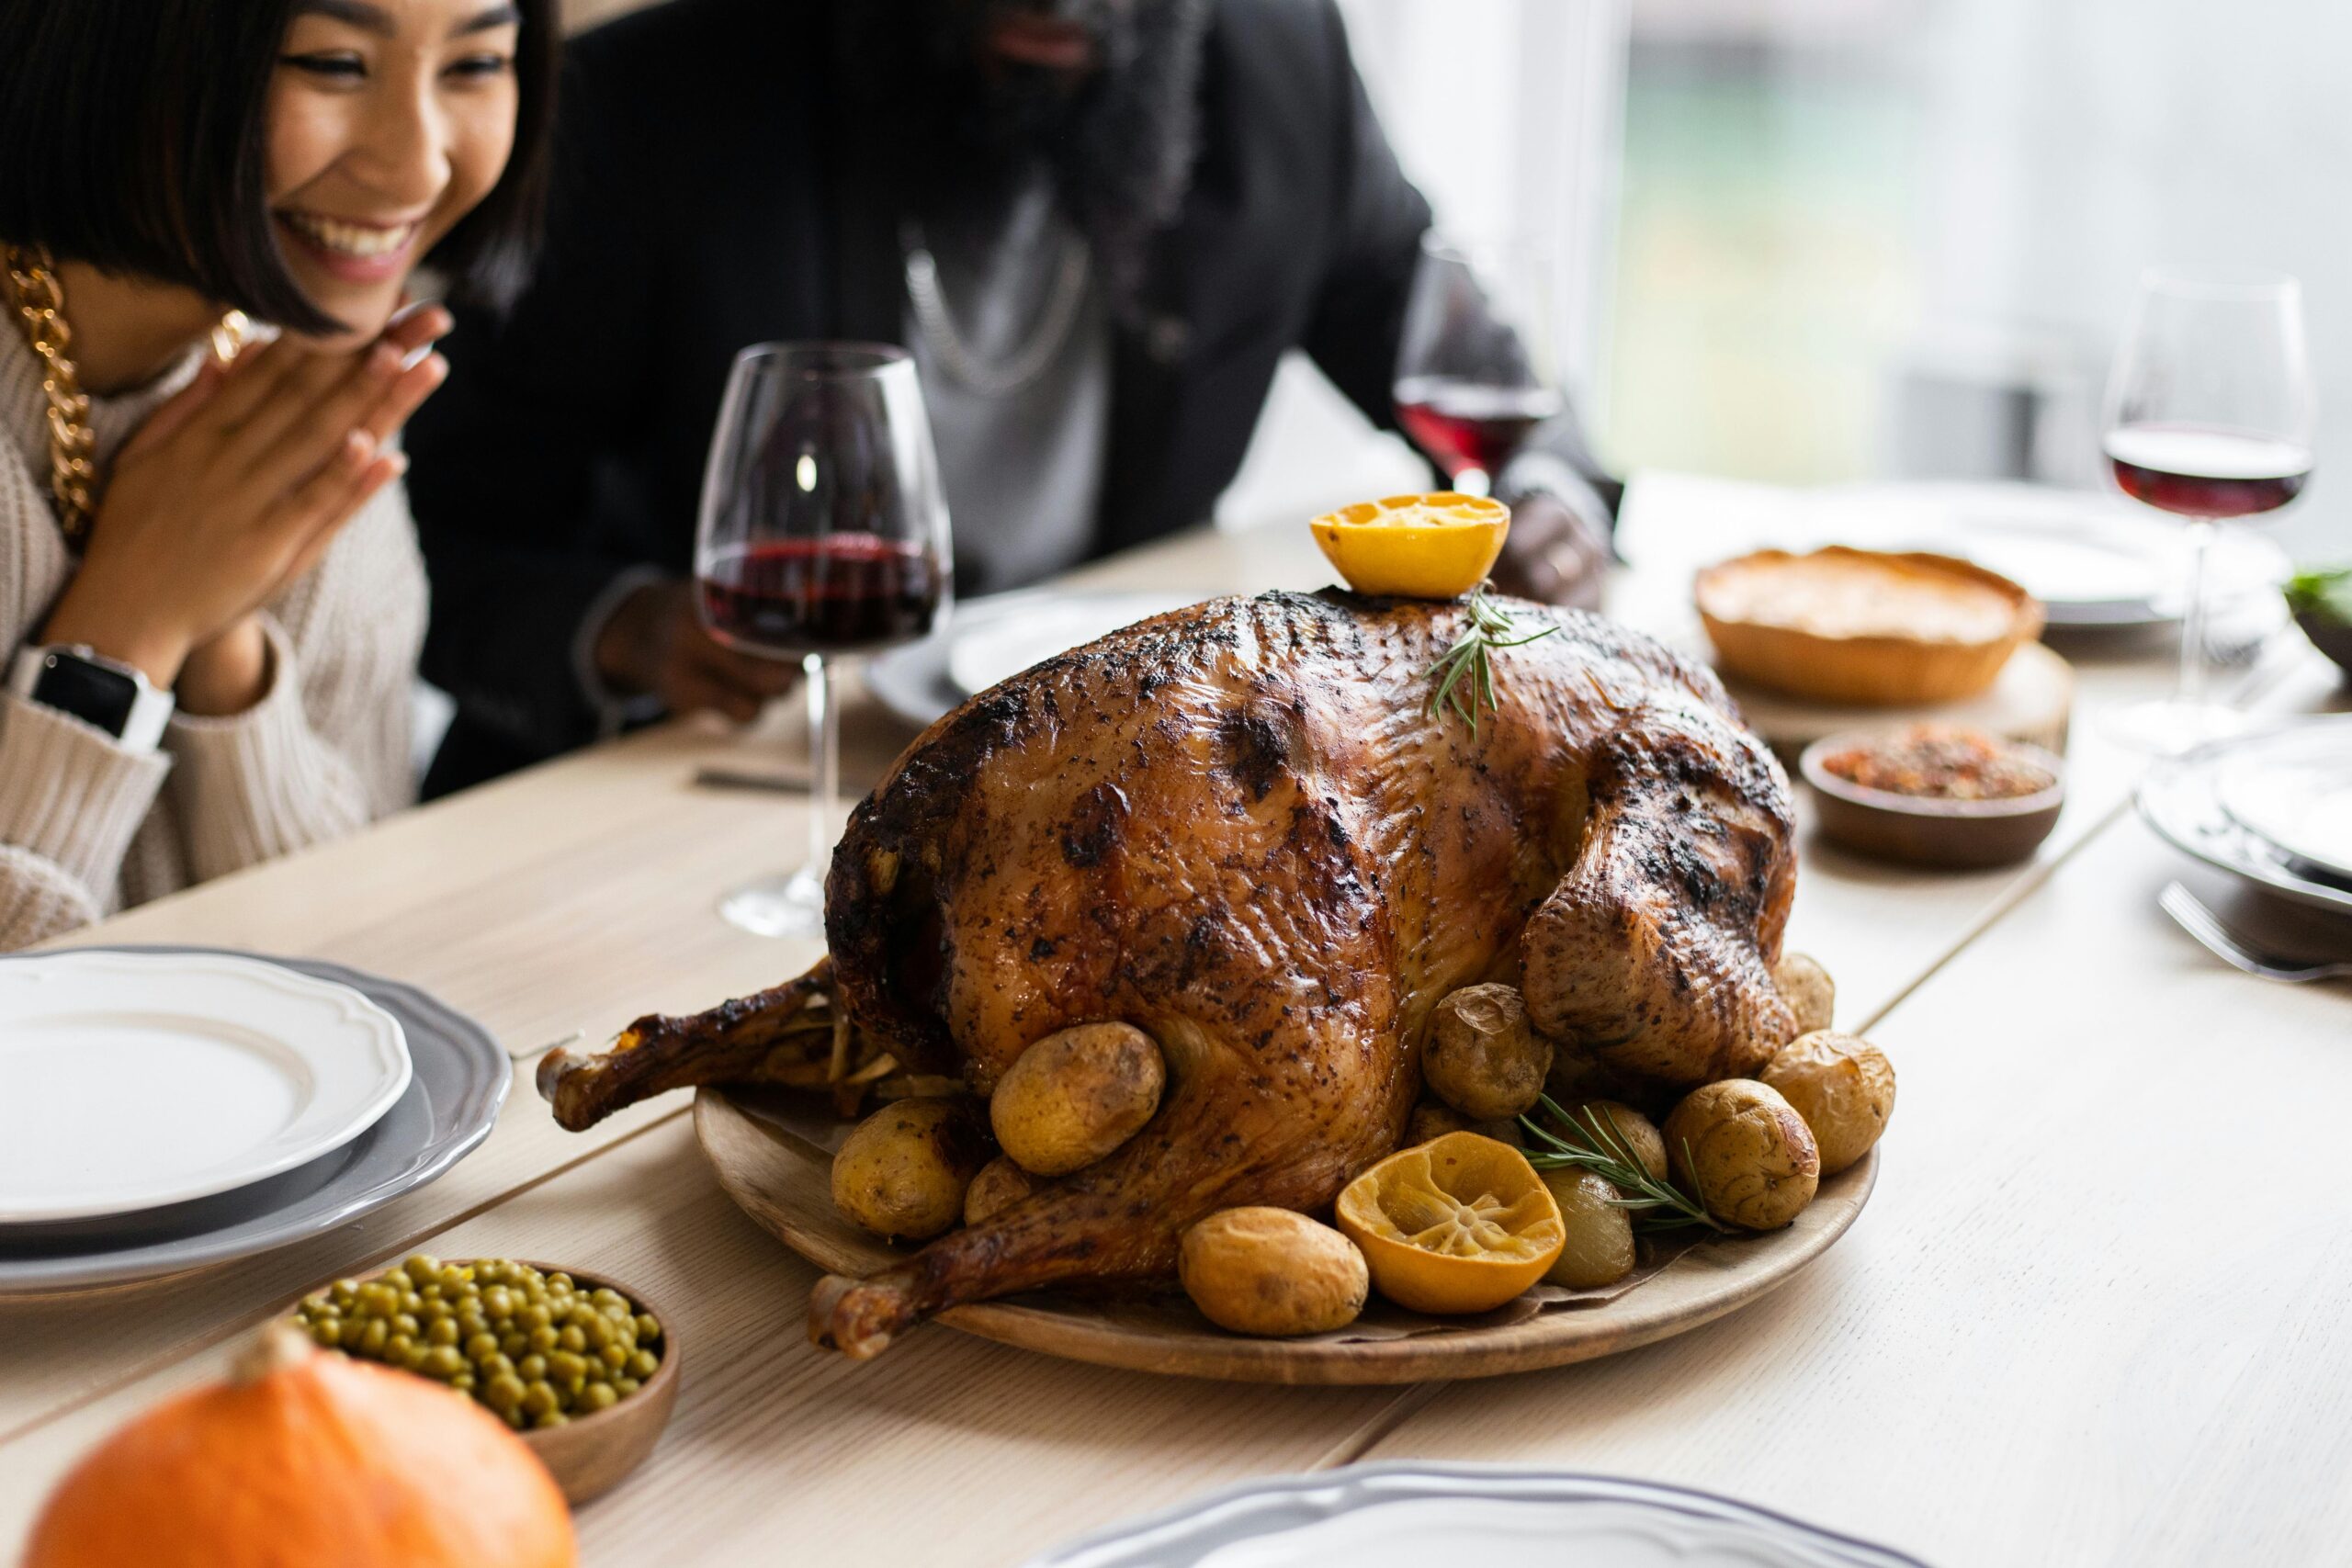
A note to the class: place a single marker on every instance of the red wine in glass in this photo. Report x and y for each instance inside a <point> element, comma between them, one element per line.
<point>2204,472</point>
<point>1466,424</point>
<point>839,593</point>
<point>823,533</point>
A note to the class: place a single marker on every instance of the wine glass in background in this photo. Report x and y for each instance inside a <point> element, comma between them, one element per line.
<point>823,533</point>
<point>1474,372</point>
<point>2209,415</point>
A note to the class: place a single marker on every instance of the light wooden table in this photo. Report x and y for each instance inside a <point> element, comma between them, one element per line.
<point>2096,1310</point>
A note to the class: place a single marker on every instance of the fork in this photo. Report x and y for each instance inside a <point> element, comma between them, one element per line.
<point>2193,917</point>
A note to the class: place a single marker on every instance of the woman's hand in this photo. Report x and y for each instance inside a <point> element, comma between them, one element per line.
<point>232,490</point>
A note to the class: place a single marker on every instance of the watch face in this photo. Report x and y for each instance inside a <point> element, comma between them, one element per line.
<point>90,692</point>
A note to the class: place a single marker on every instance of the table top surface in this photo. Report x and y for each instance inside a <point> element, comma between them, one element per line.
<point>2097,1309</point>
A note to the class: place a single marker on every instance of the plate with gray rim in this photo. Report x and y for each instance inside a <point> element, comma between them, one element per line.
<point>1409,1515</point>
<point>2181,798</point>
<point>458,1082</point>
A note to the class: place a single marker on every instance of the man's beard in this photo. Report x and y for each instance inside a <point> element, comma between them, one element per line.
<point>954,130</point>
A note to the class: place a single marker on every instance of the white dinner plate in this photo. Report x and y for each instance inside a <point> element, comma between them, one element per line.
<point>2294,787</point>
<point>1410,1516</point>
<point>1000,636</point>
<point>2091,560</point>
<point>2181,798</point>
<point>130,1080</point>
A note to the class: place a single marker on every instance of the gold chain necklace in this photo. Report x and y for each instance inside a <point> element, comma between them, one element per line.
<point>73,446</point>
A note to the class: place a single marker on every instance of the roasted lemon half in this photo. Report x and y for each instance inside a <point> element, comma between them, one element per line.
<point>1438,546</point>
<point>1462,1224</point>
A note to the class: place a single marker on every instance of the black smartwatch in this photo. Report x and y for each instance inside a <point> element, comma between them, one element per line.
<point>105,694</point>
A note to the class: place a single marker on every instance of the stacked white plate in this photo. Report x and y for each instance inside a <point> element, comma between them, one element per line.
<point>2274,807</point>
<point>163,1109</point>
<point>1406,1516</point>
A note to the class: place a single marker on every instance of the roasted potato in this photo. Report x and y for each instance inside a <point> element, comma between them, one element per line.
<point>1844,1088</point>
<point>1435,1119</point>
<point>1599,1248</point>
<point>999,1185</point>
<point>1484,1057</point>
<point>1272,1272</point>
<point>1805,985</point>
<point>1635,1130</point>
<point>1744,1153</point>
<point>1076,1095</point>
<point>903,1170</point>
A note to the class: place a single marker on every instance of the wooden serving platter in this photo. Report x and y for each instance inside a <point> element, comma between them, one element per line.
<point>781,1179</point>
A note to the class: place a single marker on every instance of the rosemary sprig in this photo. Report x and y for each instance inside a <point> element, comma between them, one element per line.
<point>1465,673</point>
<point>1598,1146</point>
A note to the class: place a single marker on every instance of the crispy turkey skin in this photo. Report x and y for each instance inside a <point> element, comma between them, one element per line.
<point>1239,828</point>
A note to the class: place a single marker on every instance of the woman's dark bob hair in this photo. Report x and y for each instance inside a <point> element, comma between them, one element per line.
<point>132,138</point>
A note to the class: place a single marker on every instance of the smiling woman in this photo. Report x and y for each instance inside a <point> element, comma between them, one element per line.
<point>208,571</point>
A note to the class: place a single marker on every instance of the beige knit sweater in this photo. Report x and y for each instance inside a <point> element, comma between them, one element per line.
<point>88,828</point>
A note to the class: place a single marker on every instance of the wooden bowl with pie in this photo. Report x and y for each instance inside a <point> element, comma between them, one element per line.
<point>1864,628</point>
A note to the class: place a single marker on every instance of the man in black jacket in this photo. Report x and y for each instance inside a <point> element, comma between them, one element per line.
<point>1097,224</point>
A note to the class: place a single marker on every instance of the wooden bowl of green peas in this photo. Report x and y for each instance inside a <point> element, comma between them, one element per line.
<point>578,1364</point>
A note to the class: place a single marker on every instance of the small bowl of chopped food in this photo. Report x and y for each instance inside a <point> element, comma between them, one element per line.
<point>1935,795</point>
<point>579,1364</point>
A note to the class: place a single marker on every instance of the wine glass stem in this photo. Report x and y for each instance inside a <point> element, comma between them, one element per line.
<point>824,763</point>
<point>2191,694</point>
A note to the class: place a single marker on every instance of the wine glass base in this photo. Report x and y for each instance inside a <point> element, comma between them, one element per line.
<point>2169,727</point>
<point>779,905</point>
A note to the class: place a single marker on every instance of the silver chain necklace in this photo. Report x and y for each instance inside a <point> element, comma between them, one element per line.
<point>947,346</point>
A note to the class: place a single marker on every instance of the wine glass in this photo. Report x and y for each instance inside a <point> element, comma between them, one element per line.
<point>2209,415</point>
<point>823,533</point>
<point>1473,364</point>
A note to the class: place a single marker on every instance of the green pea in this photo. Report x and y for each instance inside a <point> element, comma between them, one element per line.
<point>441,1331</point>
<point>442,1361</point>
<point>598,1396</point>
<point>546,1418</point>
<point>642,1364</point>
<point>563,1367</point>
<point>647,1326</point>
<point>545,1338</point>
<point>614,1356</point>
<point>328,1334</point>
<point>538,1398</point>
<point>503,1391</point>
<point>480,1347</point>
<point>372,1338</point>
<point>513,1342</point>
<point>625,1386</point>
<point>531,1367</point>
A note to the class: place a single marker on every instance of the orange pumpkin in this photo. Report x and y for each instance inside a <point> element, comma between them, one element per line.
<point>306,1458</point>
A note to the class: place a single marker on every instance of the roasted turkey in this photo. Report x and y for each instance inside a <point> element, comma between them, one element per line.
<point>1242,828</point>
